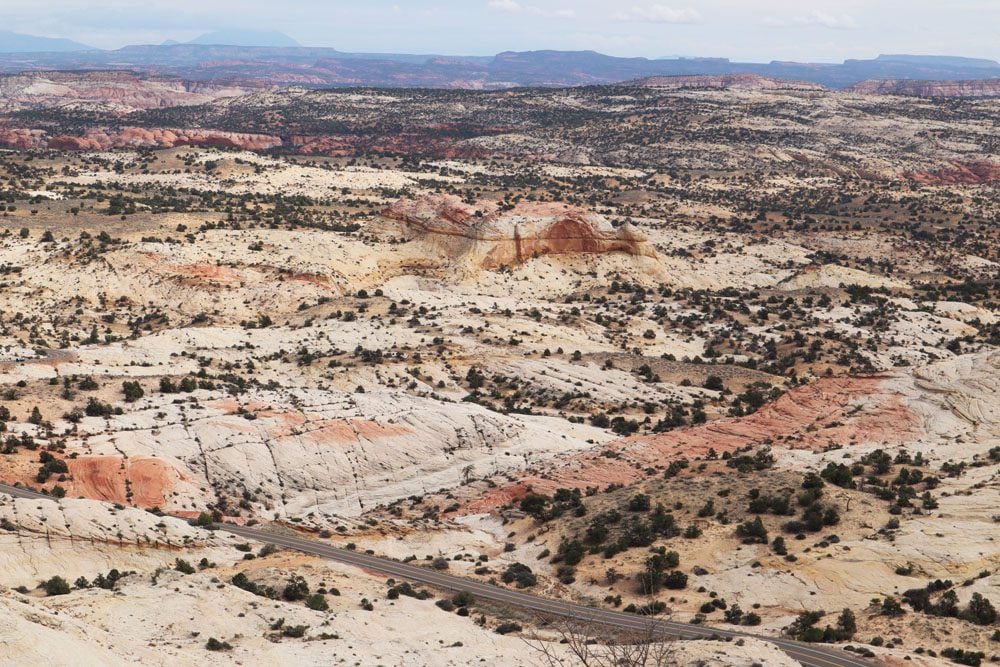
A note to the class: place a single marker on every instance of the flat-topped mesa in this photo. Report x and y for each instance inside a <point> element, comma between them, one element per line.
<point>726,82</point>
<point>921,88</point>
<point>496,236</point>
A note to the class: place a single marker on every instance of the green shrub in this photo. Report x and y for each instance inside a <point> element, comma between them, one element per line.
<point>317,602</point>
<point>56,586</point>
<point>214,644</point>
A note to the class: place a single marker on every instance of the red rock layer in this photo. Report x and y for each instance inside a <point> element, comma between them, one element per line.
<point>22,139</point>
<point>110,478</point>
<point>959,173</point>
<point>822,414</point>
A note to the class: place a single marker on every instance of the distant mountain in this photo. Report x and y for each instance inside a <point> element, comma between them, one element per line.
<point>554,68</point>
<point>12,42</point>
<point>245,38</point>
<point>283,63</point>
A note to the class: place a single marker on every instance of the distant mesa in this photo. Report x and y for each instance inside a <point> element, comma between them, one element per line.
<point>938,61</point>
<point>920,88</point>
<point>12,42</point>
<point>726,82</point>
<point>492,235</point>
<point>270,38</point>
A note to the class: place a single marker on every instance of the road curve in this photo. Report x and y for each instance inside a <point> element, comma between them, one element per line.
<point>807,654</point>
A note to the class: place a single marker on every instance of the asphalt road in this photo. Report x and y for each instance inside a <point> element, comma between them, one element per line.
<point>807,654</point>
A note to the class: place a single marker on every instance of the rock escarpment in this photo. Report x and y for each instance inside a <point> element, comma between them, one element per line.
<point>918,88</point>
<point>493,236</point>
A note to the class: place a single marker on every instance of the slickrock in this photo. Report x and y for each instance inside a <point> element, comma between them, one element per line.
<point>338,454</point>
<point>833,275</point>
<point>74,538</point>
<point>143,624</point>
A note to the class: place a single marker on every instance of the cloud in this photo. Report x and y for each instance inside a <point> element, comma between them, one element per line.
<point>659,14</point>
<point>505,6</point>
<point>815,18</point>
<point>514,7</point>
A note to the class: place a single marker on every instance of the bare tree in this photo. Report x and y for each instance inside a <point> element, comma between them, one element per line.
<point>593,644</point>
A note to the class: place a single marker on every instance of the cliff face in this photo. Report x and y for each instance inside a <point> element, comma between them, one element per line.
<point>493,237</point>
<point>727,82</point>
<point>916,88</point>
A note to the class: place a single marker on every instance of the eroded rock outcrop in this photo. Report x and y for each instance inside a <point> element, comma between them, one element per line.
<point>959,173</point>
<point>493,236</point>
<point>21,138</point>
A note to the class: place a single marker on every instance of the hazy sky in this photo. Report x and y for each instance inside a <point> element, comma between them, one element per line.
<point>756,30</point>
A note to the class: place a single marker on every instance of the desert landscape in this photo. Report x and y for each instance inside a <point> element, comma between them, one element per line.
<point>718,351</point>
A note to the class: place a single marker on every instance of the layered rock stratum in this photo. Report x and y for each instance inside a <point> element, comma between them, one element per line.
<point>921,88</point>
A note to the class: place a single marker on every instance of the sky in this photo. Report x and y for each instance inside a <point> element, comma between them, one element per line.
<point>748,30</point>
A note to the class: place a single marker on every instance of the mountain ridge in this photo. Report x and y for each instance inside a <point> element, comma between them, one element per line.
<point>14,42</point>
<point>322,67</point>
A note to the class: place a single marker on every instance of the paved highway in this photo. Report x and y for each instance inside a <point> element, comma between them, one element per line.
<point>807,654</point>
